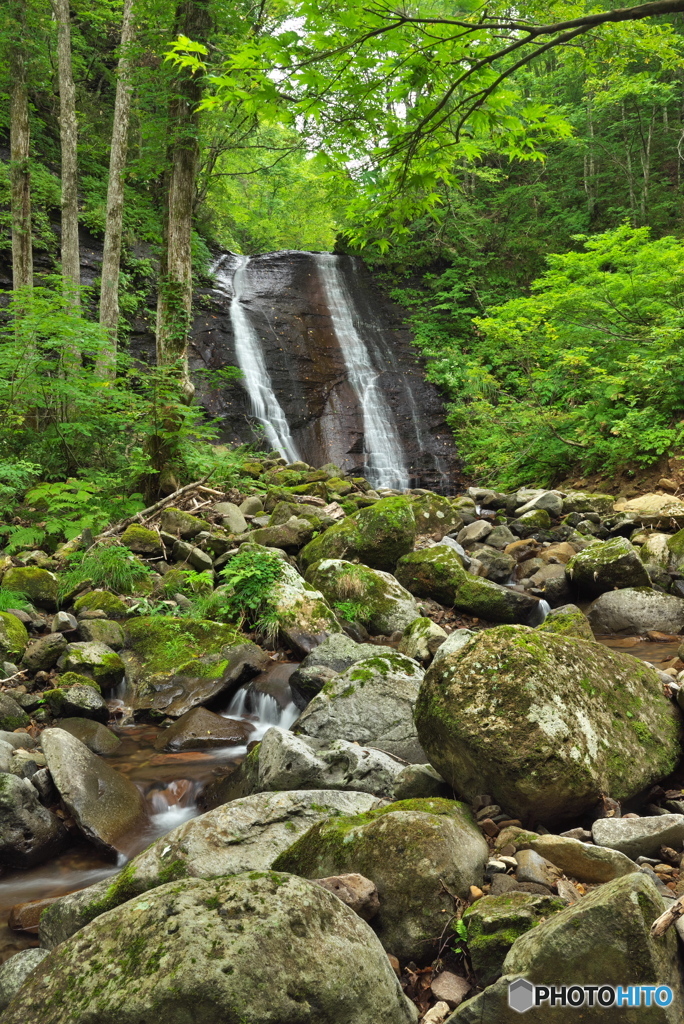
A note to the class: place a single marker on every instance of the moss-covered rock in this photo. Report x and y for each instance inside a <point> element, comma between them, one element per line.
<point>39,585</point>
<point>495,922</point>
<point>374,598</point>
<point>545,723</point>
<point>377,536</point>
<point>141,540</point>
<point>532,522</point>
<point>12,716</point>
<point>413,850</point>
<point>586,501</point>
<point>675,546</point>
<point>101,601</point>
<point>437,573</point>
<point>181,524</point>
<point>302,616</point>
<point>289,536</point>
<point>608,565</point>
<point>435,516</point>
<point>103,631</point>
<point>78,701</point>
<point>14,637</point>
<point>68,679</point>
<point>93,659</point>
<point>421,639</point>
<point>567,620</point>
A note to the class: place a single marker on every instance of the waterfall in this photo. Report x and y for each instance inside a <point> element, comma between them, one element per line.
<point>265,407</point>
<point>385,458</point>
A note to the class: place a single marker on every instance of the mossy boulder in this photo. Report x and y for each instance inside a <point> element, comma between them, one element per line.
<point>40,586</point>
<point>197,950</point>
<point>437,573</point>
<point>78,701</point>
<point>103,631</point>
<point>414,851</point>
<point>607,565</point>
<point>181,524</point>
<point>289,536</point>
<point>534,521</point>
<point>675,545</point>
<point>377,536</point>
<point>369,596</point>
<point>545,723</point>
<point>93,659</point>
<point>12,715</point>
<point>68,679</point>
<point>655,551</point>
<point>101,601</point>
<point>336,654</point>
<point>495,922</point>
<point>435,516</point>
<point>371,704</point>
<point>421,640</point>
<point>586,501</point>
<point>567,620</point>
<point>141,540</point>
<point>302,616</point>
<point>14,637</point>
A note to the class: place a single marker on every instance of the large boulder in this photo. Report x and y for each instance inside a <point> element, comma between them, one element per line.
<point>244,835</point>
<point>97,737</point>
<point>435,516</point>
<point>545,723</point>
<point>337,653</point>
<point>608,565</point>
<point>105,805</point>
<point>371,704</point>
<point>495,922</point>
<point>93,659</point>
<point>29,832</point>
<point>636,610</point>
<point>289,536</point>
<point>377,536</point>
<point>414,851</point>
<point>14,637</point>
<point>15,971</point>
<point>437,573</point>
<point>40,586</point>
<point>604,939</point>
<point>197,951</point>
<point>370,596</point>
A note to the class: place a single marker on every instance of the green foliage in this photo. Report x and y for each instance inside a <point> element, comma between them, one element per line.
<point>113,567</point>
<point>352,611</point>
<point>246,599</point>
<point>14,599</point>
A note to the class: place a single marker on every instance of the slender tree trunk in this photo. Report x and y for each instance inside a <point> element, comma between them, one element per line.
<point>20,175</point>
<point>71,263</point>
<point>174,307</point>
<point>111,258</point>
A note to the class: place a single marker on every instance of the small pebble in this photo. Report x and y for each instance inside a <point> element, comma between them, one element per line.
<point>475,893</point>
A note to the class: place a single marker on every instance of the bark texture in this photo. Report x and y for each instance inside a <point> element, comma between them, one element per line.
<point>71,266</point>
<point>20,175</point>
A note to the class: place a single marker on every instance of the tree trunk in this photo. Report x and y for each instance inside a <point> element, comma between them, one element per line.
<point>174,306</point>
<point>71,263</point>
<point>20,175</point>
<point>111,258</point>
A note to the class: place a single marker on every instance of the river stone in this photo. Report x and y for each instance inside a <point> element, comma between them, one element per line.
<point>29,832</point>
<point>546,724</point>
<point>498,565</point>
<point>200,729</point>
<point>18,739</point>
<point>97,737</point>
<point>549,501</point>
<point>196,951</point>
<point>103,631</point>
<point>142,541</point>
<point>639,837</point>
<point>93,659</point>
<point>437,573</point>
<point>493,924</point>
<point>422,639</point>
<point>337,653</point>
<point>289,536</point>
<point>14,637</point>
<point>15,971</point>
<point>304,617</point>
<point>12,715</point>
<point>43,653</point>
<point>414,851</point>
<point>606,566</point>
<point>243,835</point>
<point>371,704</point>
<point>435,516</point>
<point>584,501</point>
<point>376,536</point>
<point>181,524</point>
<point>386,606</point>
<point>105,805</point>
<point>233,518</point>
<point>583,861</point>
<point>79,702</point>
<point>474,533</point>
<point>39,585</point>
<point>604,939</point>
<point>636,611</point>
<point>567,620</point>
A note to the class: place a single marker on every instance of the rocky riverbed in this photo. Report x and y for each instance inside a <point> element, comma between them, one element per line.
<point>433,767</point>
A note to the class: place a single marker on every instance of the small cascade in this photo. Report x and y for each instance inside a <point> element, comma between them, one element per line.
<point>540,613</point>
<point>386,464</point>
<point>265,407</point>
<point>262,710</point>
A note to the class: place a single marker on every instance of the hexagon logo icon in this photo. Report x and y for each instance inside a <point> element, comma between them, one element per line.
<point>521,995</point>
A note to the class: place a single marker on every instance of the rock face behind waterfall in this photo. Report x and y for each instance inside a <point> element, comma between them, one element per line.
<point>285,298</point>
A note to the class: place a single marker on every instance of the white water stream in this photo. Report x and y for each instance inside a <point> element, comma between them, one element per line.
<point>265,407</point>
<point>385,465</point>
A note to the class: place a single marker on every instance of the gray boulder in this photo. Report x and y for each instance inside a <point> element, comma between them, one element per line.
<point>81,701</point>
<point>604,939</point>
<point>93,659</point>
<point>371,704</point>
<point>605,566</point>
<point>636,610</point>
<point>583,861</point>
<point>197,951</point>
<point>422,639</point>
<point>105,805</point>
<point>43,653</point>
<point>414,851</point>
<point>639,837</point>
<point>244,835</point>
<point>29,833</point>
<point>453,643</point>
<point>200,729</point>
<point>232,517</point>
<point>384,605</point>
<point>549,501</point>
<point>337,653</point>
<point>12,715</point>
<point>15,971</point>
<point>97,737</point>
<point>102,631</point>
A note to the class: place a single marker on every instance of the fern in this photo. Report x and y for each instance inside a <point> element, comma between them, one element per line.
<point>13,599</point>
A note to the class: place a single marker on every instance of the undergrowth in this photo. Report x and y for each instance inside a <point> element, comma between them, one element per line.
<point>112,567</point>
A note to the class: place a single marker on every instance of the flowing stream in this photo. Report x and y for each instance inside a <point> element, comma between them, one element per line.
<point>265,406</point>
<point>385,466</point>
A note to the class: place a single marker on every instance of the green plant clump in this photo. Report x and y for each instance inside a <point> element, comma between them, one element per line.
<point>114,567</point>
